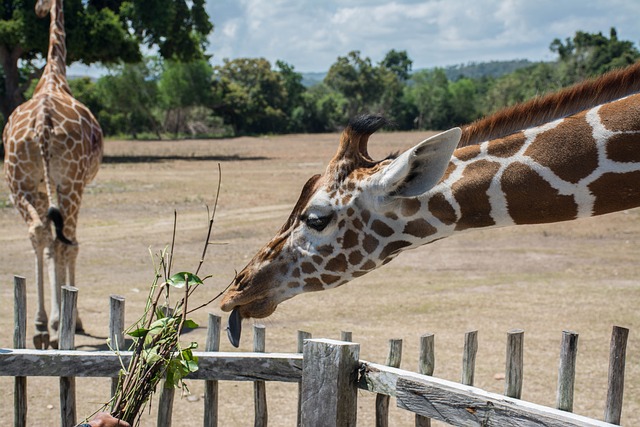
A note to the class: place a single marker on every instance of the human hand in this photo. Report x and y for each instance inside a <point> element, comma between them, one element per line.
<point>104,419</point>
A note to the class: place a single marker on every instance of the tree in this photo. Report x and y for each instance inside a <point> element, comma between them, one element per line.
<point>105,31</point>
<point>252,96</point>
<point>184,85</point>
<point>430,95</point>
<point>591,54</point>
<point>398,63</point>
<point>128,95</point>
<point>322,110</point>
<point>464,101</point>
<point>521,85</point>
<point>294,90</point>
<point>358,81</point>
<point>395,70</point>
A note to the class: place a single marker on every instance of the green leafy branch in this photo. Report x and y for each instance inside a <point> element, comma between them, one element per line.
<point>157,353</point>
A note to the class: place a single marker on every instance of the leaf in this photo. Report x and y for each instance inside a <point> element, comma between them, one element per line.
<point>162,323</point>
<point>151,355</point>
<point>190,324</point>
<point>138,333</point>
<point>190,365</point>
<point>179,280</point>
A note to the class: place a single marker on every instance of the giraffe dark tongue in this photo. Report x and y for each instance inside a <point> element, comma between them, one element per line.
<point>234,328</point>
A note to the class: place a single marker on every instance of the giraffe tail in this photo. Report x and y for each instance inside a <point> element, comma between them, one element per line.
<point>56,217</point>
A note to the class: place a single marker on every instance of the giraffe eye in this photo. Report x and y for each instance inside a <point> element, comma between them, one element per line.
<point>316,222</point>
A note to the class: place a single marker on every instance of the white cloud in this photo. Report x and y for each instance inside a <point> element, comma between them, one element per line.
<point>311,34</point>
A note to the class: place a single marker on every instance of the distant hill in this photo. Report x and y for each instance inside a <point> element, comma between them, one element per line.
<point>312,78</point>
<point>476,70</point>
<point>473,70</point>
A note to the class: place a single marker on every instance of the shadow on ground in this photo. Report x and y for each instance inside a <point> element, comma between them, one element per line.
<point>168,158</point>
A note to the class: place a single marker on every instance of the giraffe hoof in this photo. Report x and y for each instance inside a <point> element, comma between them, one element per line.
<point>41,340</point>
<point>54,343</point>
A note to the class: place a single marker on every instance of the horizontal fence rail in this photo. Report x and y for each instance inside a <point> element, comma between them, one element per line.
<point>328,372</point>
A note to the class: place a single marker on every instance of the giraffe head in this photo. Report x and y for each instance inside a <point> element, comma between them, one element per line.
<point>43,7</point>
<point>345,223</point>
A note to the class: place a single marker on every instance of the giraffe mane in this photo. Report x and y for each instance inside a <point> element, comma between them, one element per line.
<point>543,109</point>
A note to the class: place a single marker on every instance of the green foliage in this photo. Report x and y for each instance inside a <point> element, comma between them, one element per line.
<point>253,97</point>
<point>157,351</point>
<point>183,85</point>
<point>522,84</point>
<point>249,96</point>
<point>587,55</point>
<point>182,279</point>
<point>105,31</point>
<point>357,80</point>
<point>128,96</point>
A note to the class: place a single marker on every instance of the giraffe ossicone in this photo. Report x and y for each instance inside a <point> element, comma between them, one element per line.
<point>53,149</point>
<point>569,155</point>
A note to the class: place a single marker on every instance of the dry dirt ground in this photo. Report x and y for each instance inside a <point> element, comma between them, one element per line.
<point>580,276</point>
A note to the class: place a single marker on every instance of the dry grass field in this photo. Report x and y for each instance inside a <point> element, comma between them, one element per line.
<point>580,276</point>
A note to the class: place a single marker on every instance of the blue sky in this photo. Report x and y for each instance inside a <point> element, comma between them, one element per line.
<point>311,34</point>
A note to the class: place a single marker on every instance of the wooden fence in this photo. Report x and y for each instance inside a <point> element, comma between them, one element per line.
<point>329,374</point>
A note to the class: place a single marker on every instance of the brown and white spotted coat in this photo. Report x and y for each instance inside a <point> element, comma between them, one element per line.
<point>53,148</point>
<point>570,155</point>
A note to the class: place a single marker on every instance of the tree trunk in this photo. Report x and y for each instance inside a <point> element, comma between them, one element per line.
<point>13,93</point>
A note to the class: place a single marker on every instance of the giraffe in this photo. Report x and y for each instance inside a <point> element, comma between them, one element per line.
<point>568,155</point>
<point>53,148</point>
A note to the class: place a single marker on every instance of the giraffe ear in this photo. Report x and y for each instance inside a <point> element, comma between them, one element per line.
<point>420,168</point>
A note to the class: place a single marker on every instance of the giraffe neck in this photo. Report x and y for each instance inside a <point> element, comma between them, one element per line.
<point>54,76</point>
<point>584,165</point>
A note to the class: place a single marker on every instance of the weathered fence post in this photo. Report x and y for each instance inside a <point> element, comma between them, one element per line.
<point>20,341</point>
<point>116,330</point>
<point>210,386</point>
<point>382,401</point>
<point>330,383</point>
<point>259,387</point>
<point>469,357</point>
<point>617,356</point>
<point>426,366</point>
<point>66,341</point>
<point>165,405</point>
<point>302,336</point>
<point>515,362</point>
<point>567,371</point>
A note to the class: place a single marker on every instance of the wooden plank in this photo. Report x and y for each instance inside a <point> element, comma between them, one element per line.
<point>617,356</point>
<point>469,357</point>
<point>382,401</point>
<point>165,405</point>
<point>302,336</point>
<point>462,405</point>
<point>426,366</point>
<point>567,370</point>
<point>211,387</point>
<point>515,364</point>
<point>67,342</point>
<point>261,414</point>
<point>221,366</point>
<point>329,383</point>
<point>20,341</point>
<point>116,330</point>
